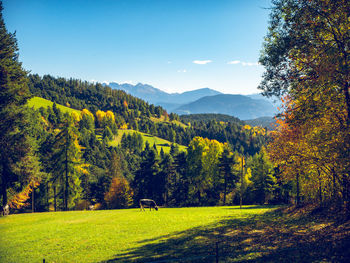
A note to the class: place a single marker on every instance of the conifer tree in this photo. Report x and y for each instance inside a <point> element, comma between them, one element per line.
<point>66,162</point>
<point>229,178</point>
<point>13,97</point>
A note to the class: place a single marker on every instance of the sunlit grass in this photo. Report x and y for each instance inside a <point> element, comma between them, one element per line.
<point>38,102</point>
<point>160,143</point>
<point>94,236</point>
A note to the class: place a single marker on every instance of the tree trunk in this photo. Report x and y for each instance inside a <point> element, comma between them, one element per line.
<point>225,186</point>
<point>33,195</point>
<point>241,190</point>
<point>54,198</point>
<point>199,197</point>
<point>298,191</point>
<point>3,192</point>
<point>320,187</point>
<point>66,182</point>
<point>347,101</point>
<point>47,197</point>
<point>4,184</point>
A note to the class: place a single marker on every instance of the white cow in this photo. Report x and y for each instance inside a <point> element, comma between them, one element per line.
<point>5,211</point>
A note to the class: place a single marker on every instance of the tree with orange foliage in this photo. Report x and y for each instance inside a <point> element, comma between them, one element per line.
<point>306,55</point>
<point>30,172</point>
<point>119,194</point>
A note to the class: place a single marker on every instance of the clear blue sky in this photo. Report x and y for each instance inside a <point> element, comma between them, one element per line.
<point>174,45</point>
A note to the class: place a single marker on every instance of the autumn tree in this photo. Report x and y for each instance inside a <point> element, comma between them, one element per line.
<point>119,194</point>
<point>306,55</point>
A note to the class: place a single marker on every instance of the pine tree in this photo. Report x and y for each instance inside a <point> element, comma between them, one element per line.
<point>229,178</point>
<point>66,163</point>
<point>13,97</point>
<point>262,177</point>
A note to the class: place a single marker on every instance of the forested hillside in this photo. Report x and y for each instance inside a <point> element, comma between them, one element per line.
<point>134,113</point>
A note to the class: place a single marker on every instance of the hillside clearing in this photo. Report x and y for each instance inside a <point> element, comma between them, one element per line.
<point>160,143</point>
<point>38,102</point>
<point>253,234</point>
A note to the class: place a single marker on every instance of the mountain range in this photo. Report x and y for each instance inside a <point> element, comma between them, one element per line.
<point>202,101</point>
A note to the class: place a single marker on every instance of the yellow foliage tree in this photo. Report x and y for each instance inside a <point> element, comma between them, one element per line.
<point>100,115</point>
<point>75,116</point>
<point>88,113</point>
<point>110,115</point>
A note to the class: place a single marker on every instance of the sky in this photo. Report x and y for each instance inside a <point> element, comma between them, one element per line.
<point>173,45</point>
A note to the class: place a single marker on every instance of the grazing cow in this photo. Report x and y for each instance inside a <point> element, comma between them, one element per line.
<point>5,211</point>
<point>148,203</point>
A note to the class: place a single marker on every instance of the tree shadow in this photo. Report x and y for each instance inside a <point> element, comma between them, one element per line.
<point>270,237</point>
<point>250,207</point>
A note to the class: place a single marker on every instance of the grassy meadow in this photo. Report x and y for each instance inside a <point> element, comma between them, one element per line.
<point>253,234</point>
<point>38,102</point>
<point>160,143</point>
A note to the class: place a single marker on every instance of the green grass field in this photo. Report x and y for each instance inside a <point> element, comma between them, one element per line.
<point>160,143</point>
<point>253,234</point>
<point>95,236</point>
<point>38,102</point>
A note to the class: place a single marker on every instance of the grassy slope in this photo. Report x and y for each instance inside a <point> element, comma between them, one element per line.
<point>160,143</point>
<point>253,234</point>
<point>162,119</point>
<point>38,102</point>
<point>93,236</point>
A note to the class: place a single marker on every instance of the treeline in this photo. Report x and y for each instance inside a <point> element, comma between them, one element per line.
<point>208,117</point>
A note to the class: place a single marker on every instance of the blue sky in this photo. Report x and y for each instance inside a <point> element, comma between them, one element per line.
<point>176,45</point>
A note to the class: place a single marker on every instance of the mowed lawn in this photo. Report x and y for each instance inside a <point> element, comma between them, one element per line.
<point>94,236</point>
<point>253,234</point>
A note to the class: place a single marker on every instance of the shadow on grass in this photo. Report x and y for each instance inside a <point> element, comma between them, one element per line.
<point>163,144</point>
<point>271,237</point>
<point>251,207</point>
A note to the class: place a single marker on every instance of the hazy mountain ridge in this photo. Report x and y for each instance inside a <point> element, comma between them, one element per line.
<point>203,101</point>
<point>239,106</point>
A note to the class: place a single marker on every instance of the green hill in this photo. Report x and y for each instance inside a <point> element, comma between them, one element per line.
<point>38,102</point>
<point>160,143</point>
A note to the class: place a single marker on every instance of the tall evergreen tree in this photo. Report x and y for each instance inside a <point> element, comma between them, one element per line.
<point>229,178</point>
<point>13,97</point>
<point>66,162</point>
<point>262,177</point>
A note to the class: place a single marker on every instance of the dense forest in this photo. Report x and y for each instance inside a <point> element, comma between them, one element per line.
<point>54,160</point>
